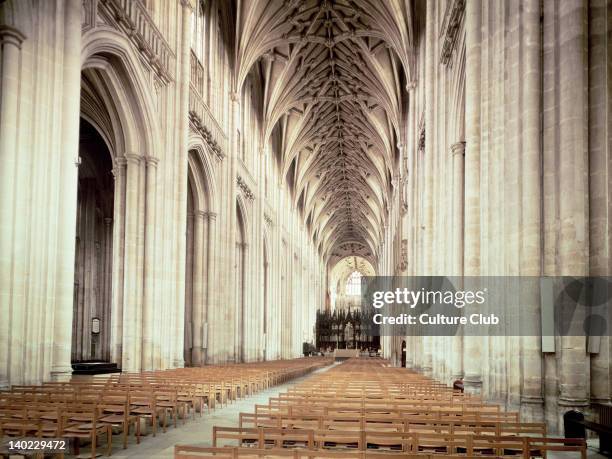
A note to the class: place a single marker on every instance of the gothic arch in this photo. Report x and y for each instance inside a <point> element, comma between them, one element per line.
<point>202,174</point>
<point>109,58</point>
<point>198,258</point>
<point>243,221</point>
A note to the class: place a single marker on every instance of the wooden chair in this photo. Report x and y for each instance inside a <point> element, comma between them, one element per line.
<point>115,411</point>
<point>83,424</point>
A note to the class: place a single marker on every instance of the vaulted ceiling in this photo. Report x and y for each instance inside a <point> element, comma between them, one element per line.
<point>334,75</point>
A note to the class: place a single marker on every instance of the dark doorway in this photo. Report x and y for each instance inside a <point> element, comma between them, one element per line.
<point>93,254</point>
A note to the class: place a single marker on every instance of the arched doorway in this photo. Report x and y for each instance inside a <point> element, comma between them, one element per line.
<point>403,354</point>
<point>93,248</point>
<point>112,103</point>
<point>189,277</point>
<point>197,260</point>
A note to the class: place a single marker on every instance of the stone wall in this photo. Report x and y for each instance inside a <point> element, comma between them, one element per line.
<point>128,70</point>
<point>507,174</point>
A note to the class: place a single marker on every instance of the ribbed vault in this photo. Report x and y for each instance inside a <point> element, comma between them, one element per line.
<point>334,73</point>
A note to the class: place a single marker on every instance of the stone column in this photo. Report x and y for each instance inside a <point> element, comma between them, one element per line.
<point>10,41</point>
<point>429,155</point>
<point>600,114</point>
<point>181,214</point>
<point>198,290</point>
<point>242,335</point>
<point>473,24</point>
<point>150,259</point>
<point>458,156</point>
<point>130,357</point>
<point>530,251</point>
<point>189,280</point>
<point>140,256</point>
<point>573,188</point>
<point>205,249</point>
<point>212,288</point>
<point>66,221</point>
<point>118,266</point>
<point>108,273</point>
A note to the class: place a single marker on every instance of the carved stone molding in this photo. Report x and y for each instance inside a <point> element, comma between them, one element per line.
<point>458,148</point>
<point>133,158</point>
<point>244,188</point>
<point>132,18</point>
<point>450,29</point>
<point>10,35</point>
<point>206,135</point>
<point>421,144</point>
<point>152,161</point>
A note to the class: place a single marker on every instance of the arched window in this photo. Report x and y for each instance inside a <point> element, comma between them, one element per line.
<point>353,284</point>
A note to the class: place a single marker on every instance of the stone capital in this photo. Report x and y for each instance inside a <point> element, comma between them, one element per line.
<point>152,161</point>
<point>119,168</point>
<point>200,214</point>
<point>132,158</point>
<point>12,36</point>
<point>458,148</point>
<point>212,216</point>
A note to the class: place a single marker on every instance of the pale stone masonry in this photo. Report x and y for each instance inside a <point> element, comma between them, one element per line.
<point>526,93</point>
<point>203,175</point>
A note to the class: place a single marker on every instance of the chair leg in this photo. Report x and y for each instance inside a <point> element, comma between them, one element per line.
<point>126,431</point>
<point>137,430</point>
<point>93,445</point>
<point>109,440</point>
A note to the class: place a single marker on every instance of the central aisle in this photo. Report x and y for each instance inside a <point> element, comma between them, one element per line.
<point>198,432</point>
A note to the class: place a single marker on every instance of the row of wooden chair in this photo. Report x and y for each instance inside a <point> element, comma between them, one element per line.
<point>198,452</point>
<point>365,408</point>
<point>402,442</point>
<point>92,408</point>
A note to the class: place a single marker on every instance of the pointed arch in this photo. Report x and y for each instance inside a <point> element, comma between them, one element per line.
<point>108,57</point>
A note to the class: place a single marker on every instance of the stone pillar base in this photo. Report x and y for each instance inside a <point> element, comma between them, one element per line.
<point>472,384</point>
<point>532,409</point>
<point>60,374</point>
